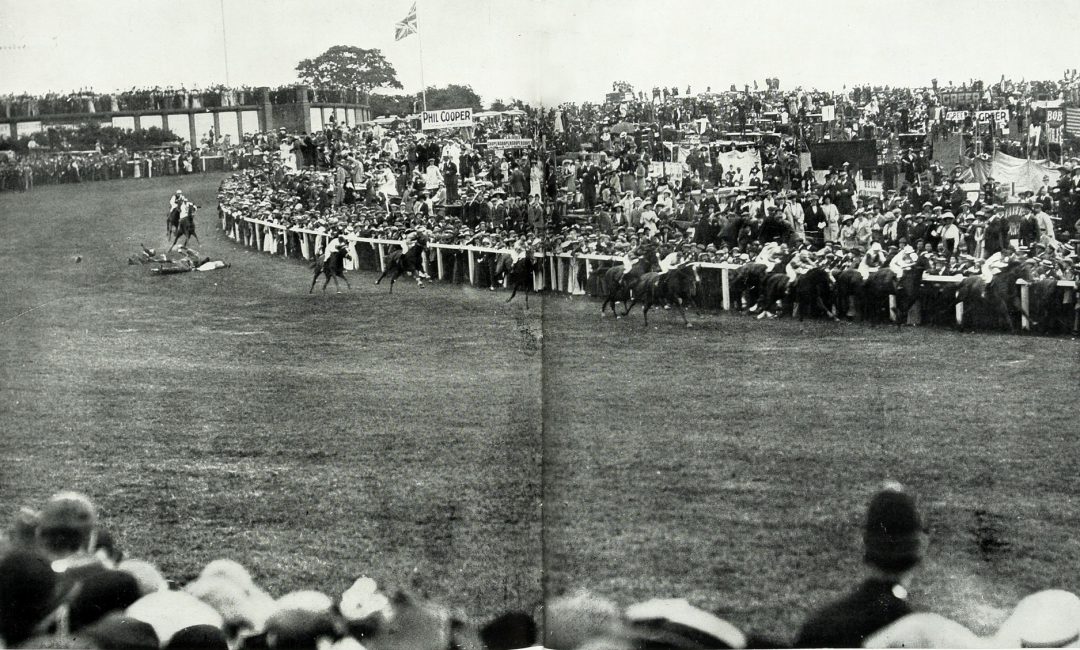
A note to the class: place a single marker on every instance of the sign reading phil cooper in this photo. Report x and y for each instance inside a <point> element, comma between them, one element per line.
<point>448,119</point>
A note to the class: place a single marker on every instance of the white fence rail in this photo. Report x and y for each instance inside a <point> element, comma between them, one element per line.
<point>562,269</point>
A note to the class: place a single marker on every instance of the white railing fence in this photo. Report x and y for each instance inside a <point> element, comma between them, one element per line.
<point>563,272</point>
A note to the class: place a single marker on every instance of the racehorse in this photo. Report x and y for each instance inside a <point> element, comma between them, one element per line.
<point>333,268</point>
<point>848,290</point>
<point>520,276</point>
<point>172,221</point>
<point>1048,308</point>
<point>994,302</point>
<point>875,297</point>
<point>776,290</point>
<point>619,283</point>
<point>674,287</point>
<point>409,262</point>
<point>747,282</point>
<point>186,226</point>
<point>814,291</point>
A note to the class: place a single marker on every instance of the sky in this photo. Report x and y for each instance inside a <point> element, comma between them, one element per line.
<point>540,51</point>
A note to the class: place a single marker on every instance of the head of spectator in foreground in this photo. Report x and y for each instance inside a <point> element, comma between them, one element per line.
<point>28,593</point>
<point>894,540</point>
<point>67,526</point>
<point>1046,619</point>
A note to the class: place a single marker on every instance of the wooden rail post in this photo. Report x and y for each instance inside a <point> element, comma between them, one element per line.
<point>725,288</point>
<point>1025,304</point>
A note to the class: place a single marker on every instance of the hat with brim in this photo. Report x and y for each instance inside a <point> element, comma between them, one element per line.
<point>1046,619</point>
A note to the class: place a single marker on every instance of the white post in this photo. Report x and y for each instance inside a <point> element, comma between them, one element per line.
<point>725,288</point>
<point>893,316</point>
<point>472,267</point>
<point>439,262</point>
<point>1025,304</point>
<point>424,264</point>
<point>382,258</point>
<point>960,313</point>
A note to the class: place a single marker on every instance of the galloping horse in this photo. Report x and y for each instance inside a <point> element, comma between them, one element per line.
<point>777,290</point>
<point>747,283</point>
<point>172,221</point>
<point>520,276</point>
<point>882,284</point>
<point>848,291</point>
<point>409,262</point>
<point>996,301</point>
<point>333,268</point>
<point>186,225</point>
<point>814,291</point>
<point>620,283</point>
<point>675,287</point>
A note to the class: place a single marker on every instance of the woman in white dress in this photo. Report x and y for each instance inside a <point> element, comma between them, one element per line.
<point>536,180</point>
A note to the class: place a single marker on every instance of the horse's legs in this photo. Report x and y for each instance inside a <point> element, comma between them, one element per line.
<point>682,312</point>
<point>382,276</point>
<point>314,278</point>
<point>645,311</point>
<point>512,293</point>
<point>328,276</point>
<point>176,239</point>
<point>526,297</point>
<point>628,304</point>
<point>347,282</point>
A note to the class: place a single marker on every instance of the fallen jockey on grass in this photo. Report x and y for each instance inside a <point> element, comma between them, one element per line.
<point>182,260</point>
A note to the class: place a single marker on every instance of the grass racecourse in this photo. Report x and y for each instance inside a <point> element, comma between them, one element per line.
<point>418,439</point>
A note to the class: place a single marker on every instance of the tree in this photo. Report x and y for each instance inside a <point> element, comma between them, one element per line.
<point>452,96</point>
<point>498,105</point>
<point>392,104</point>
<point>344,66</point>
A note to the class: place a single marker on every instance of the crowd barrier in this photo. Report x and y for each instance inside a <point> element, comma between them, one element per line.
<point>567,273</point>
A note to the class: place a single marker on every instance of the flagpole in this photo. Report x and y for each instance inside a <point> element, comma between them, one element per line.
<point>224,42</point>
<point>420,43</point>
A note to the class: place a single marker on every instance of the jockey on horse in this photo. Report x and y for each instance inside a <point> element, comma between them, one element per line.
<point>172,219</point>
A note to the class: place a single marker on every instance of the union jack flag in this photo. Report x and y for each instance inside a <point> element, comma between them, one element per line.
<point>406,26</point>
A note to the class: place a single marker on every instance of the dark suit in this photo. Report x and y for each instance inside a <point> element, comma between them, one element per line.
<point>848,622</point>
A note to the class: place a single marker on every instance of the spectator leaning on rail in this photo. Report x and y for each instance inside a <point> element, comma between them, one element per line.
<point>894,543</point>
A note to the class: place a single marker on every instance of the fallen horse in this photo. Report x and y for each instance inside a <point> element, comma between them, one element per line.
<point>183,260</point>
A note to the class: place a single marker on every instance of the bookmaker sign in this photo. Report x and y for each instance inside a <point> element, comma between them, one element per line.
<point>451,118</point>
<point>510,143</point>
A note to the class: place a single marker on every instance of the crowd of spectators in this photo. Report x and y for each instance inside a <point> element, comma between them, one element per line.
<point>87,100</point>
<point>66,582</point>
<point>393,183</point>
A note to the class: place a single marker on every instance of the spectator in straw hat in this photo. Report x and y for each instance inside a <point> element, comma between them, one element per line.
<point>893,543</point>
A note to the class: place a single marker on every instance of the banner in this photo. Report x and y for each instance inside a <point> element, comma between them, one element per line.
<point>1055,117</point>
<point>1072,121</point>
<point>657,169</point>
<point>985,117</point>
<point>1019,173</point>
<point>956,116</point>
<point>509,143</point>
<point>447,119</point>
<point>828,113</point>
<point>739,161</point>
